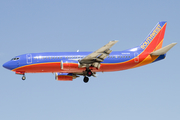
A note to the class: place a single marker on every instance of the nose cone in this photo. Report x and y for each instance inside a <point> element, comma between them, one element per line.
<point>8,65</point>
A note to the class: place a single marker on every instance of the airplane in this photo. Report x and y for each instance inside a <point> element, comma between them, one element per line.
<point>70,65</point>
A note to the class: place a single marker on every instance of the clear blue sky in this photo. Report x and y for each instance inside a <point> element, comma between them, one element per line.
<point>150,92</point>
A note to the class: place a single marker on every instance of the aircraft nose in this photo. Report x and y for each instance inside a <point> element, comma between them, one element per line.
<point>7,65</point>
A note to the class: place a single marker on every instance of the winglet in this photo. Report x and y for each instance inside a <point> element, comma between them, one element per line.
<point>163,50</point>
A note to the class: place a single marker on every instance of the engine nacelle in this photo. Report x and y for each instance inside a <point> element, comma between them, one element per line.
<point>69,65</point>
<point>65,76</point>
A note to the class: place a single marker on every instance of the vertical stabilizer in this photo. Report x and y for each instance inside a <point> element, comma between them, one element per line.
<point>155,38</point>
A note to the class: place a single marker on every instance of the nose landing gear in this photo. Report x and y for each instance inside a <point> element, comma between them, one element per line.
<point>21,73</point>
<point>23,77</point>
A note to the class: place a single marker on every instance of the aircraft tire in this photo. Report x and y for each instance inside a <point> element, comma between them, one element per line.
<point>86,79</point>
<point>23,77</point>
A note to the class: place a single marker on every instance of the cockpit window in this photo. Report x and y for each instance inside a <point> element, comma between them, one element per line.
<point>15,58</point>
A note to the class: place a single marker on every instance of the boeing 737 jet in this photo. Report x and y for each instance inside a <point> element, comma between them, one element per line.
<point>70,65</point>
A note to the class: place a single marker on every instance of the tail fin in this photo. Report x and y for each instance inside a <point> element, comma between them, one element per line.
<point>155,38</point>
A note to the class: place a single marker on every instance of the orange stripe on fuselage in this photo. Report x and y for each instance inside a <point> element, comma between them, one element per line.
<point>39,67</point>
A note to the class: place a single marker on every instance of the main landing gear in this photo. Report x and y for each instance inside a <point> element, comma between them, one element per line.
<point>89,74</point>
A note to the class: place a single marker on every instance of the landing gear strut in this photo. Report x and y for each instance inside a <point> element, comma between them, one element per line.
<point>23,77</point>
<point>89,73</point>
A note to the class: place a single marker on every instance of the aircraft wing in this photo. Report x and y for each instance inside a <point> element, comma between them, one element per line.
<point>99,55</point>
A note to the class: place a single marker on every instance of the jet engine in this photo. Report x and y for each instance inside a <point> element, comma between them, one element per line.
<point>65,76</point>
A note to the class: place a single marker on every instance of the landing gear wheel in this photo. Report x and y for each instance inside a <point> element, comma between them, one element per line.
<point>23,77</point>
<point>86,79</point>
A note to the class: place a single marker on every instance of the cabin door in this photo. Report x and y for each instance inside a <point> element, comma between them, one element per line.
<point>136,57</point>
<point>29,58</point>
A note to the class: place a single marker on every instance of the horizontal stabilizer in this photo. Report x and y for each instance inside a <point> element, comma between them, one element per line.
<point>163,50</point>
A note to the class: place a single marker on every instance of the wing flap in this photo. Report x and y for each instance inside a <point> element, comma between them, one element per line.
<point>103,56</point>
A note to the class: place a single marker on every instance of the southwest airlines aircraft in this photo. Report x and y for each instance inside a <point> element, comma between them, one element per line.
<point>70,65</point>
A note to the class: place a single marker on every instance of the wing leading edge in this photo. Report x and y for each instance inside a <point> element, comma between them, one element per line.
<point>98,56</point>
